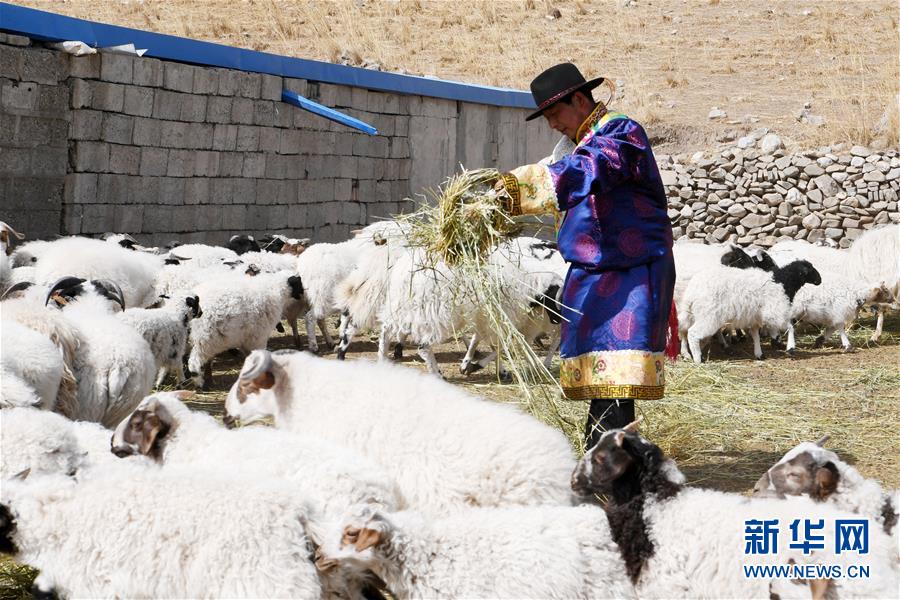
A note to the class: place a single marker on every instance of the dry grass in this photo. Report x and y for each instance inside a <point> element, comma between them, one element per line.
<point>751,58</point>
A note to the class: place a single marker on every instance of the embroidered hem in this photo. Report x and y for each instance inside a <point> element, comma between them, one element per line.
<point>632,374</point>
<point>511,185</point>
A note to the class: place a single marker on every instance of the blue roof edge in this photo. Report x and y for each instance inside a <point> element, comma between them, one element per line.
<point>47,26</point>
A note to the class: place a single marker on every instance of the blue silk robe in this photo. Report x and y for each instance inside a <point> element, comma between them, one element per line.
<point>613,229</point>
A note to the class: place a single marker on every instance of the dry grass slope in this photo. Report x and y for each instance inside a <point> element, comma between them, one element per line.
<point>675,60</point>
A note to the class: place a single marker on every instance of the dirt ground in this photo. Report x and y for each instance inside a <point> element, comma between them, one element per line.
<point>673,60</point>
<point>725,421</point>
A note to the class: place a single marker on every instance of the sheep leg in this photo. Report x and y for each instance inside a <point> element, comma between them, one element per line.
<point>555,341</point>
<point>398,347</point>
<point>431,362</point>
<point>757,347</point>
<point>694,344</point>
<point>845,340</point>
<point>207,375</point>
<point>879,323</point>
<point>311,344</point>
<point>685,351</point>
<point>295,333</point>
<point>194,366</point>
<point>346,338</point>
<point>466,366</point>
<point>791,341</point>
<point>824,337</point>
<point>329,341</point>
<point>720,336</point>
<point>161,376</point>
<point>383,342</point>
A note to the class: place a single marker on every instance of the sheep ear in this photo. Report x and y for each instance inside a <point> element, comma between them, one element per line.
<point>633,426</point>
<point>184,394</point>
<point>826,481</point>
<point>368,538</point>
<point>22,475</point>
<point>619,438</point>
<point>762,485</point>
<point>821,441</point>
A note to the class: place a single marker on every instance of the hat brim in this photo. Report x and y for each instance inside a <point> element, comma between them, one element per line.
<point>587,85</point>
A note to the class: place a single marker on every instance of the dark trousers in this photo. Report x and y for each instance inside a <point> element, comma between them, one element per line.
<point>606,414</point>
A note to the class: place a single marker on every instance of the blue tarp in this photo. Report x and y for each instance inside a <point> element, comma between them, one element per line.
<point>48,26</point>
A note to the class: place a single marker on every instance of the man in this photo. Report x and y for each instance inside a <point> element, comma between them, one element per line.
<point>613,229</point>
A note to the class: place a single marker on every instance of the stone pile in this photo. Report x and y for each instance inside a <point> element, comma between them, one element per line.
<point>760,194</point>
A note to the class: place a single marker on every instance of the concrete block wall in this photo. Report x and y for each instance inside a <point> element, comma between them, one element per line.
<point>165,150</point>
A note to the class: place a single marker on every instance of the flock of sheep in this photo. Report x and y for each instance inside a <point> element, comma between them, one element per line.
<point>376,475</point>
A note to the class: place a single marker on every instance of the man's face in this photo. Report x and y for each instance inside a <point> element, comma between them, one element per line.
<point>566,118</point>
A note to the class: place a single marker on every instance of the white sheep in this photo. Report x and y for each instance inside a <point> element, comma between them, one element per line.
<point>202,255</point>
<point>834,305</point>
<point>6,235</point>
<point>134,272</point>
<point>516,552</point>
<point>238,313</point>
<point>28,253</point>
<point>445,448</point>
<point>142,532</point>
<point>741,298</point>
<point>34,358</point>
<point>37,441</point>
<point>164,428</point>
<point>680,542</point>
<point>875,257</point>
<point>166,331</point>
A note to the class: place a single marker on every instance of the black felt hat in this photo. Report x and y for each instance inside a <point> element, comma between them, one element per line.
<point>556,83</point>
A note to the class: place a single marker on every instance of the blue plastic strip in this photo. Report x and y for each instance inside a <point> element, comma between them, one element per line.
<point>328,113</point>
<point>48,26</point>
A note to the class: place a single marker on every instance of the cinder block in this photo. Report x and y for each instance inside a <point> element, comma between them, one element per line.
<point>206,164</point>
<point>147,132</point>
<point>401,126</point>
<point>297,86</point>
<point>244,190</point>
<point>254,165</point>
<point>269,139</point>
<point>193,108</point>
<point>284,116</point>
<point>85,67</point>
<point>366,191</point>
<point>80,93</point>
<point>138,101</point>
<point>225,137</point>
<point>171,192</point>
<point>391,104</point>
<point>97,218</point>
<point>117,68</point>
<point>221,191</point>
<point>41,131</point>
<point>167,105</point>
<point>148,72</point>
<point>343,97</point>
<point>53,100</point>
<point>343,190</point>
<point>22,96</point>
<point>206,81</point>
<point>242,111</point>
<point>44,66</point>
<point>113,189</point>
<point>257,217</point>
<point>80,188</point>
<point>348,168</point>
<point>365,168</point>
<point>173,134</point>
<point>228,82</point>
<point>383,123</point>
<point>128,218</point>
<point>375,103</point>
<point>303,119</point>
<point>247,138</point>
<point>276,166</point>
<point>154,161</point>
<point>196,191</point>
<point>271,87</point>
<point>350,213</point>
<point>383,191</point>
<point>287,191</point>
<point>200,136</point>
<point>117,128</point>
<point>107,96</point>
<point>315,167</point>
<point>218,109</point>
<point>234,216</point>
<point>181,163</point>
<point>91,156</point>
<point>276,217</point>
<point>146,190</point>
<point>156,219</point>
<point>231,164</point>
<point>249,84</point>
<point>264,113</point>
<point>290,142</point>
<point>296,216</point>
<point>178,77</point>
<point>125,159</point>
<point>15,162</point>
<point>71,219</point>
<point>266,191</point>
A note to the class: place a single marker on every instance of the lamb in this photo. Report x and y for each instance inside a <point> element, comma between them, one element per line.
<point>114,365</point>
<point>239,244</point>
<point>201,255</point>
<point>142,532</point>
<point>164,428</point>
<point>166,331</point>
<point>516,552</point>
<point>746,299</point>
<point>34,359</point>
<point>445,448</point>
<point>6,235</point>
<point>875,257</point>
<point>834,305</point>
<point>28,253</point>
<point>238,314</point>
<point>134,272</point>
<point>811,470</point>
<point>651,514</point>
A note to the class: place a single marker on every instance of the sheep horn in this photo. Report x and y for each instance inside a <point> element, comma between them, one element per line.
<point>176,257</point>
<point>5,227</point>
<point>821,441</point>
<point>63,283</point>
<point>111,290</point>
<point>633,426</point>
<point>256,364</point>
<point>21,286</point>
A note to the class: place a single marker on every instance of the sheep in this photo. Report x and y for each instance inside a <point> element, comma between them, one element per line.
<point>142,532</point>
<point>166,331</point>
<point>15,391</point>
<point>6,235</point>
<point>834,305</point>
<point>28,253</point>
<point>746,299</point>
<point>239,244</point>
<point>445,448</point>
<point>164,428</point>
<point>59,330</point>
<point>201,255</point>
<point>39,442</point>
<point>651,515</point>
<point>238,314</point>
<point>875,257</point>
<point>114,365</point>
<point>516,552</point>
<point>33,358</point>
<point>692,258</point>
<point>811,470</point>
